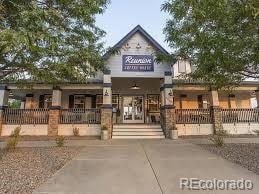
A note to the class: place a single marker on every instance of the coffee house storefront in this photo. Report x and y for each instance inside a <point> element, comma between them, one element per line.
<point>135,97</point>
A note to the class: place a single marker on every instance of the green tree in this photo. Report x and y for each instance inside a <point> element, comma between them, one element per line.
<point>219,36</point>
<point>50,40</point>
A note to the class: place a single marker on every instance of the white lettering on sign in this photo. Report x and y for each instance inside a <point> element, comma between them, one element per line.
<point>131,60</point>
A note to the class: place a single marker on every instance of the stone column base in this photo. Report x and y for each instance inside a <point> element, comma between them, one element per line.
<point>174,134</point>
<point>1,121</point>
<point>216,118</point>
<point>54,115</point>
<point>106,121</point>
<point>169,120</point>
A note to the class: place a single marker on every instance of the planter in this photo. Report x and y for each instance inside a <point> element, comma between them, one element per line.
<point>104,135</point>
<point>174,134</point>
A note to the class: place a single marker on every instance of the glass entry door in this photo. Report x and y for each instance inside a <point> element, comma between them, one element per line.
<point>133,111</point>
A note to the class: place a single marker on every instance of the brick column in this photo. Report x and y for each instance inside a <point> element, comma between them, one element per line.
<point>106,109</point>
<point>4,94</point>
<point>169,108</point>
<point>54,112</point>
<point>216,111</point>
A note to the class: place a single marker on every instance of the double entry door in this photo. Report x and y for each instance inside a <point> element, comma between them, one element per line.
<point>133,109</point>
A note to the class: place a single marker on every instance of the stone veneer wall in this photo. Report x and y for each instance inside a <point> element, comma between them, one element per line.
<point>106,120</point>
<point>169,120</point>
<point>217,118</point>
<point>53,122</point>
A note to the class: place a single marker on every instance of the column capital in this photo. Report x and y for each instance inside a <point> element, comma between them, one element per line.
<point>106,106</point>
<point>3,107</point>
<point>107,85</point>
<point>167,107</point>
<point>3,87</point>
<point>107,72</point>
<point>29,95</point>
<point>55,108</point>
<point>231,96</point>
<point>168,85</point>
<point>57,88</point>
<point>168,73</point>
<point>162,87</point>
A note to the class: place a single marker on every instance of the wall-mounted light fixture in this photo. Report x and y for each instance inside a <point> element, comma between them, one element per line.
<point>135,87</point>
<point>170,93</point>
<point>106,93</point>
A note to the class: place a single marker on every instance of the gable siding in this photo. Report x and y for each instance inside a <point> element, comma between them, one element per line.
<point>114,62</point>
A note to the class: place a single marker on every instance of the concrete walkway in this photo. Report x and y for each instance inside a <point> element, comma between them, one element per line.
<point>142,167</point>
<point>83,142</point>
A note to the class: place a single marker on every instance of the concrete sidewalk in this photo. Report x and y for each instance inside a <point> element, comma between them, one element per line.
<point>142,167</point>
<point>83,142</point>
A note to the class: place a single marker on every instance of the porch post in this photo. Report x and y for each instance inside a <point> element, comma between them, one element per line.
<point>4,94</point>
<point>169,108</point>
<point>22,106</point>
<point>162,100</point>
<point>216,111</point>
<point>106,109</point>
<point>257,96</point>
<point>54,111</point>
<point>29,101</point>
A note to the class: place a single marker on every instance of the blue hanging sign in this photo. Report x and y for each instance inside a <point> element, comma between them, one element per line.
<point>137,63</point>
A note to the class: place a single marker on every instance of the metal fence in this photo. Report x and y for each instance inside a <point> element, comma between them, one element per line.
<point>193,116</point>
<point>80,116</point>
<point>25,116</point>
<point>240,115</point>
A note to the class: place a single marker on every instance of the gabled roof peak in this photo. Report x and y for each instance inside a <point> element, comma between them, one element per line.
<point>148,37</point>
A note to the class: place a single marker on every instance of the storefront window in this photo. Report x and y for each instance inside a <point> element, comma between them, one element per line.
<point>153,103</point>
<point>79,101</point>
<point>47,101</point>
<point>99,101</point>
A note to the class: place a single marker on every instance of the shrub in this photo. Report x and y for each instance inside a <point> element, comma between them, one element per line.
<point>60,141</point>
<point>218,138</point>
<point>16,132</point>
<point>13,139</point>
<point>2,152</point>
<point>256,132</point>
<point>76,131</point>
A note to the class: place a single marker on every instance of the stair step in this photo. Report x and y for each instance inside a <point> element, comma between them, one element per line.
<point>138,133</point>
<point>136,127</point>
<point>139,137</point>
<point>136,130</point>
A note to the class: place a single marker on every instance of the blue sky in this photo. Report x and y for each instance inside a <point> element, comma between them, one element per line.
<point>121,16</point>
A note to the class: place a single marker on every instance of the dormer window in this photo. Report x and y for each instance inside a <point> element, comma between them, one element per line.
<point>182,66</point>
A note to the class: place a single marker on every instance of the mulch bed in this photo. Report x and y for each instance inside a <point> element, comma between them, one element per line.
<point>244,154</point>
<point>24,169</point>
